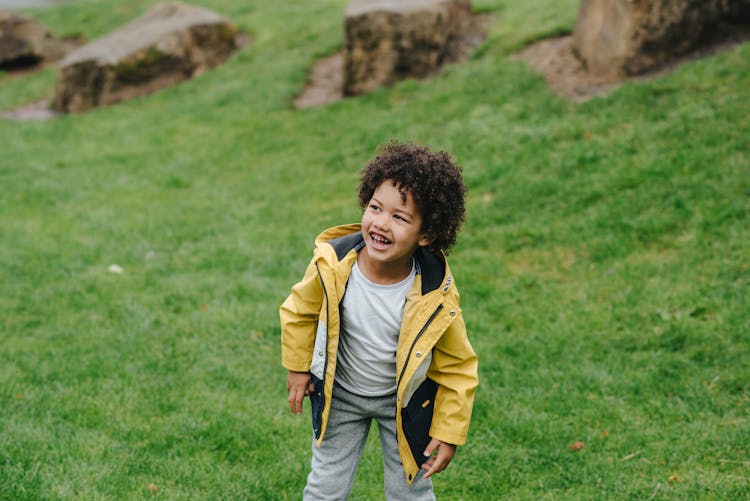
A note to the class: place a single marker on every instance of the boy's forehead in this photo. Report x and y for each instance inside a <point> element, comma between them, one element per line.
<point>406,195</point>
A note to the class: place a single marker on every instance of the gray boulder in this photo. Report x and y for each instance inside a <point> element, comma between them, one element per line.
<point>386,41</point>
<point>25,41</point>
<point>619,38</point>
<point>170,43</point>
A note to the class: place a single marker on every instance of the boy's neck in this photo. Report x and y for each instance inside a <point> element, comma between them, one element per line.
<point>384,273</point>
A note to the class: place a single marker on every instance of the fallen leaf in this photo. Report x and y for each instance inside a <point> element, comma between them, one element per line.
<point>153,487</point>
<point>576,446</point>
<point>674,478</point>
<point>605,433</point>
<point>19,396</point>
<point>115,268</point>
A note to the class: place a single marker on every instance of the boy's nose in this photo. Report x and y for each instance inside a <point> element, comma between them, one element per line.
<point>381,221</point>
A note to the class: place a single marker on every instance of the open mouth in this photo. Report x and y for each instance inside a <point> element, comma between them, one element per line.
<point>379,241</point>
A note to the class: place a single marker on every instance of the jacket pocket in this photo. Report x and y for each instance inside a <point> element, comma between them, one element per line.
<point>416,419</point>
<point>316,403</point>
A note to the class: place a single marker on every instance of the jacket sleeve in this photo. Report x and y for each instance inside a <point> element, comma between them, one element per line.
<point>299,316</point>
<point>454,368</point>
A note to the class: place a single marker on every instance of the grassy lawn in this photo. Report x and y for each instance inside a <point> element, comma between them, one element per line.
<point>604,269</point>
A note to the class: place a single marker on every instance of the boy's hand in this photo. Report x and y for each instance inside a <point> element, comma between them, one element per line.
<point>298,385</point>
<point>441,460</point>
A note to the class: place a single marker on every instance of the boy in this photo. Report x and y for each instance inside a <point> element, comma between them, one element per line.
<point>374,331</point>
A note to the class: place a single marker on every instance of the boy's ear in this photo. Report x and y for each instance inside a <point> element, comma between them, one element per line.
<point>425,240</point>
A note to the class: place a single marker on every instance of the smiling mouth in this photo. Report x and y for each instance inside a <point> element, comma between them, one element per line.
<point>379,240</point>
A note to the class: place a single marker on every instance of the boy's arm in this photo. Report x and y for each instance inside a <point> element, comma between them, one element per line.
<point>454,369</point>
<point>299,316</point>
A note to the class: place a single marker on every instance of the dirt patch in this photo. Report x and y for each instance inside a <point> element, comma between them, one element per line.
<point>326,80</point>
<point>325,84</point>
<point>566,74</point>
<point>38,110</point>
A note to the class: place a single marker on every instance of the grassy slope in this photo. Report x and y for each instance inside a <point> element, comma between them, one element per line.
<point>603,268</point>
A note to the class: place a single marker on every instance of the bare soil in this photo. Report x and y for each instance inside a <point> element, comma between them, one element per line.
<point>325,84</point>
<point>326,80</point>
<point>38,110</point>
<point>567,75</point>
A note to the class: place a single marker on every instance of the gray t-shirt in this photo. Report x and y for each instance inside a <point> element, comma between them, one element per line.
<point>370,323</point>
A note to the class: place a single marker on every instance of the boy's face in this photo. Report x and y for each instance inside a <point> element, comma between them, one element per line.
<point>392,230</point>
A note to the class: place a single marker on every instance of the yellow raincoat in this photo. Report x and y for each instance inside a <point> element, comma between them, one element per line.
<point>436,366</point>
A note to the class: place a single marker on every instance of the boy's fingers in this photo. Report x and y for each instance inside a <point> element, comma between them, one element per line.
<point>431,447</point>
<point>290,400</point>
<point>295,400</point>
<point>432,464</point>
<point>441,460</point>
<point>437,465</point>
<point>297,393</point>
<point>432,467</point>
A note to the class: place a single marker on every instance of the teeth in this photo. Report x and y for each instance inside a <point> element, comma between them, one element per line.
<point>379,239</point>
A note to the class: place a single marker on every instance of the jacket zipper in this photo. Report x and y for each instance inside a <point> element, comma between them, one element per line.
<point>419,334</point>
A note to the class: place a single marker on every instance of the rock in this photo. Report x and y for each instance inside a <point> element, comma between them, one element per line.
<point>24,41</point>
<point>170,43</point>
<point>387,40</point>
<point>619,38</point>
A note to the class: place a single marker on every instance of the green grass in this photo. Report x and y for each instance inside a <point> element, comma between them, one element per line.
<point>604,269</point>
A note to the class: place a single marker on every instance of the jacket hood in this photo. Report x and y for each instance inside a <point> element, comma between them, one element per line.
<point>433,267</point>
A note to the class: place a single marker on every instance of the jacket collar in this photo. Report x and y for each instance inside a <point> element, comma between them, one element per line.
<point>346,238</point>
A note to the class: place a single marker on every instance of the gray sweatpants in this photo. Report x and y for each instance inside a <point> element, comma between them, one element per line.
<point>335,462</point>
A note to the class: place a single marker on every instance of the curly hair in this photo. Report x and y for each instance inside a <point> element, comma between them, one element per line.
<point>432,179</point>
